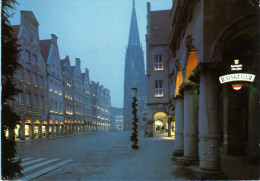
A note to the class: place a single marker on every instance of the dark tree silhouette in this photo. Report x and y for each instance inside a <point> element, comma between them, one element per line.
<point>9,60</point>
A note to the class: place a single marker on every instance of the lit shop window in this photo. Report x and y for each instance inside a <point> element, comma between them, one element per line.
<point>158,88</point>
<point>158,63</point>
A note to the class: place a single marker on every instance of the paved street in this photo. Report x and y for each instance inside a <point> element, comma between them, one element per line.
<point>104,156</point>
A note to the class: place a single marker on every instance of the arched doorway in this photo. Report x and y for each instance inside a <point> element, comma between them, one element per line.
<point>44,129</point>
<point>36,130</point>
<point>160,122</point>
<point>239,127</point>
<point>28,129</point>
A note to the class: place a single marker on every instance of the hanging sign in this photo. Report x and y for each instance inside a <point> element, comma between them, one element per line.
<point>237,76</point>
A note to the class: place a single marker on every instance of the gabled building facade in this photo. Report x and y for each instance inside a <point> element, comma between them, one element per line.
<point>50,52</point>
<point>157,63</point>
<point>31,102</point>
<point>67,95</point>
<point>87,100</point>
<point>55,97</point>
<point>78,97</point>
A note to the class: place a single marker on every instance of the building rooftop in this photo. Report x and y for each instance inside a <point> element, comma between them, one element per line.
<point>45,48</point>
<point>16,29</point>
<point>160,26</point>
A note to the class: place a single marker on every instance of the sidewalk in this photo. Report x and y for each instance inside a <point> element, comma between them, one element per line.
<point>52,137</point>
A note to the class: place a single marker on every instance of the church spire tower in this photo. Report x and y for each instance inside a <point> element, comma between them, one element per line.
<point>134,73</point>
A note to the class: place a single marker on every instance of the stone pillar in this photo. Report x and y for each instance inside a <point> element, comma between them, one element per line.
<point>57,129</point>
<point>32,130</point>
<point>22,131</point>
<point>47,130</point>
<point>178,145</point>
<point>62,129</point>
<point>40,130</point>
<point>190,129</point>
<point>52,130</point>
<point>253,125</point>
<point>209,126</point>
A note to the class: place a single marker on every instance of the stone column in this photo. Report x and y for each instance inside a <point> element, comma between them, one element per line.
<point>190,130</point>
<point>253,125</point>
<point>22,131</point>
<point>52,130</point>
<point>40,130</point>
<point>47,130</point>
<point>32,130</point>
<point>178,145</point>
<point>209,126</point>
<point>58,129</point>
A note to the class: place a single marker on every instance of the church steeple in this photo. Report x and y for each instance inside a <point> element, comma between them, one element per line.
<point>134,72</point>
<point>133,34</point>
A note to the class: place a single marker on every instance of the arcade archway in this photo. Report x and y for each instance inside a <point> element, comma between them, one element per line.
<point>160,122</point>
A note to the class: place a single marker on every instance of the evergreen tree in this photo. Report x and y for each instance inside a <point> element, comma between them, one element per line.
<point>9,119</point>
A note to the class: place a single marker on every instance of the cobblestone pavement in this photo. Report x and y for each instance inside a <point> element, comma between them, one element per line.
<point>111,158</point>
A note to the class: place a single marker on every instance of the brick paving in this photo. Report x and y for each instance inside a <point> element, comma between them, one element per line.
<point>150,162</point>
<point>108,156</point>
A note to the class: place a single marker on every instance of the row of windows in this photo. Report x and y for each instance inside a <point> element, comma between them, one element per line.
<point>68,109</point>
<point>31,58</point>
<point>55,107</point>
<point>79,110</point>
<point>32,100</point>
<point>30,77</point>
<point>55,88</point>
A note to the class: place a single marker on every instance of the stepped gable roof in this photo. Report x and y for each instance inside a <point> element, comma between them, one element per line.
<point>83,76</point>
<point>72,68</point>
<point>160,26</point>
<point>45,48</point>
<point>16,29</point>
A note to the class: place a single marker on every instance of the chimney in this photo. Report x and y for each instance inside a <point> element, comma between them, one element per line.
<point>87,72</point>
<point>54,39</point>
<point>77,62</point>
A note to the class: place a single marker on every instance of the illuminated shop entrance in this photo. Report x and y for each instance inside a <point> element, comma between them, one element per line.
<point>44,128</point>
<point>36,129</point>
<point>160,122</point>
<point>27,129</point>
<point>50,128</point>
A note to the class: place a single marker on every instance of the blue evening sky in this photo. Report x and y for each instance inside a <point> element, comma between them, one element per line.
<point>96,31</point>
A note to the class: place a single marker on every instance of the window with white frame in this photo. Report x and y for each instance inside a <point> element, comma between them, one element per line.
<point>35,100</point>
<point>41,81</point>
<point>158,63</point>
<point>20,73</point>
<point>28,56</point>
<point>29,98</point>
<point>21,98</point>
<point>35,78</point>
<point>42,102</point>
<point>34,60</point>
<point>51,106</point>
<point>27,76</point>
<point>56,106</point>
<point>158,88</point>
